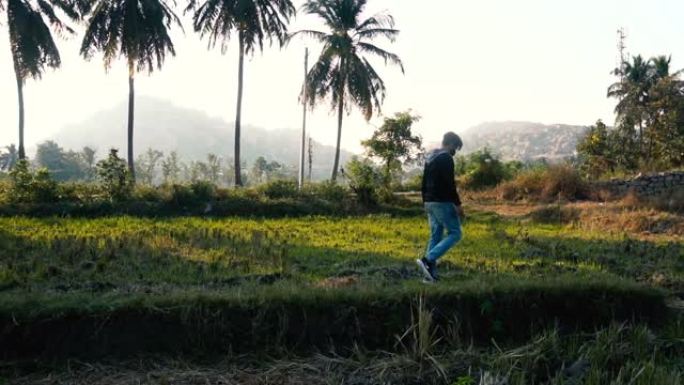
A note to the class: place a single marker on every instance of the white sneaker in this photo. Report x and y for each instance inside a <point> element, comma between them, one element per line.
<point>425,269</point>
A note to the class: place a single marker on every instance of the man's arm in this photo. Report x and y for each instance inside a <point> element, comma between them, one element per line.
<point>449,180</point>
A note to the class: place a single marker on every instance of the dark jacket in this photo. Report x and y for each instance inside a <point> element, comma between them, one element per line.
<point>439,182</point>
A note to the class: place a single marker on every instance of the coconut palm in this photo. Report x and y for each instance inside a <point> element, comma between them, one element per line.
<point>138,30</point>
<point>8,158</point>
<point>342,72</point>
<point>31,41</point>
<point>632,92</point>
<point>253,21</point>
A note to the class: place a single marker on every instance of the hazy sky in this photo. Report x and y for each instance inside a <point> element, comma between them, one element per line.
<point>466,62</point>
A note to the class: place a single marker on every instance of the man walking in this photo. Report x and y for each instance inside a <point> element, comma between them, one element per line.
<point>442,204</point>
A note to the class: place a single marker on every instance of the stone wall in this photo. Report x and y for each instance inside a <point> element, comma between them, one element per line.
<point>645,185</point>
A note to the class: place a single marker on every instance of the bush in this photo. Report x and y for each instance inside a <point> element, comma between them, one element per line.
<point>548,184</point>
<point>364,179</point>
<point>280,189</point>
<point>192,194</point>
<point>30,187</point>
<point>79,192</point>
<point>203,190</point>
<point>148,194</point>
<point>564,181</point>
<point>414,183</point>
<point>327,191</point>
<point>115,177</point>
<point>482,169</point>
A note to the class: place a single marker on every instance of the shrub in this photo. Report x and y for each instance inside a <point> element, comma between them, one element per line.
<point>203,190</point>
<point>279,189</point>
<point>364,179</point>
<point>549,184</point>
<point>525,185</point>
<point>79,192</point>
<point>30,187</point>
<point>327,191</point>
<point>414,183</point>
<point>482,169</point>
<point>192,194</point>
<point>563,181</point>
<point>115,177</point>
<point>148,194</point>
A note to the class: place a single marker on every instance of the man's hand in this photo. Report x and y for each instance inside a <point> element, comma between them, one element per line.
<point>460,212</point>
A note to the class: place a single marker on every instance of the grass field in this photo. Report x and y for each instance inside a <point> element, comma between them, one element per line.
<point>122,286</point>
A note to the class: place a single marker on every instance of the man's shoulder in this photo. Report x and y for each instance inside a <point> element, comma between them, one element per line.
<point>444,157</point>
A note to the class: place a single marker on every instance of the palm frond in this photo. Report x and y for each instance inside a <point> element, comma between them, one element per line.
<point>31,42</point>
<point>386,56</point>
<point>136,29</point>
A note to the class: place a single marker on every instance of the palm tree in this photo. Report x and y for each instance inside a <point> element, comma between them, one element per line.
<point>33,47</point>
<point>632,92</point>
<point>253,21</point>
<point>135,29</point>
<point>9,158</point>
<point>342,72</point>
<point>660,67</point>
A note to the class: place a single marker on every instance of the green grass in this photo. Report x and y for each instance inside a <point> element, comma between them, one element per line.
<point>159,255</point>
<point>123,284</point>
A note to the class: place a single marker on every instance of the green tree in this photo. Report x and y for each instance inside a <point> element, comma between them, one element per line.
<point>342,72</point>
<point>88,156</point>
<point>394,144</point>
<point>146,166</point>
<point>9,157</point>
<point>135,29</point>
<point>632,93</point>
<point>253,21</point>
<point>31,42</point>
<point>363,178</point>
<point>264,171</point>
<point>595,151</point>
<point>213,168</point>
<point>62,165</point>
<point>483,169</point>
<point>171,168</point>
<point>648,113</point>
<point>115,177</point>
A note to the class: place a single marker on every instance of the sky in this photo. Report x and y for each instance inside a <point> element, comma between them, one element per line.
<point>466,62</point>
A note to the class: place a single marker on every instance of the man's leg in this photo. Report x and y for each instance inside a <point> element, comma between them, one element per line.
<point>436,232</point>
<point>448,217</point>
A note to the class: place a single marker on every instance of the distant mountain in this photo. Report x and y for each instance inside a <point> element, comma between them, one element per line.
<point>193,134</point>
<point>524,140</point>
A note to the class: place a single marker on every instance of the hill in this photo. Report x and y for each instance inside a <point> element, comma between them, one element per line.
<point>524,140</point>
<point>193,134</point>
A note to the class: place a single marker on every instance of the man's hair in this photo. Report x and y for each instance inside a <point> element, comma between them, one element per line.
<point>452,139</point>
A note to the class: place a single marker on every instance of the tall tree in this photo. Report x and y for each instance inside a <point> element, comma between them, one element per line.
<point>632,94</point>
<point>253,21</point>
<point>342,72</point>
<point>9,158</point>
<point>31,42</point>
<point>135,29</point>
<point>394,143</point>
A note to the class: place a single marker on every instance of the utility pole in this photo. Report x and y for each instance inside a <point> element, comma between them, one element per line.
<point>622,36</point>
<point>302,150</point>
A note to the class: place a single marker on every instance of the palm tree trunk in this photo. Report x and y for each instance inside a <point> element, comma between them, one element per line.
<point>131,116</point>
<point>340,112</point>
<point>238,115</point>
<point>20,95</point>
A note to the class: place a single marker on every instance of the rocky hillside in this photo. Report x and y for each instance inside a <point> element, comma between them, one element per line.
<point>524,140</point>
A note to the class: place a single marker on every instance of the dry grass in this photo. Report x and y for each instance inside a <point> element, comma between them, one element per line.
<point>559,181</point>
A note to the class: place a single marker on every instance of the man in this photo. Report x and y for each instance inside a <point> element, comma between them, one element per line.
<point>442,204</point>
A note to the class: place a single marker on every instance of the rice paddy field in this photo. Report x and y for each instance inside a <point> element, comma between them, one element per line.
<point>323,300</point>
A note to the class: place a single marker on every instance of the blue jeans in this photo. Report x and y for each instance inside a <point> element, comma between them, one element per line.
<point>442,216</point>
